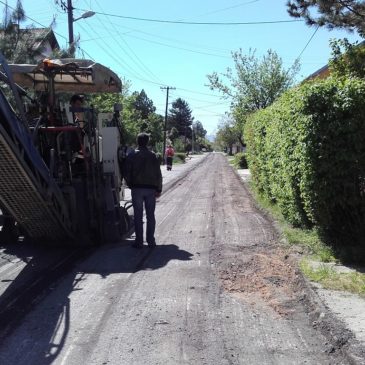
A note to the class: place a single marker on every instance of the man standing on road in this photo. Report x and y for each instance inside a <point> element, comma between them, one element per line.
<point>144,178</point>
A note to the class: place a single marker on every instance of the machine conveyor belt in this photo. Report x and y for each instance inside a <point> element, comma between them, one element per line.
<point>20,196</point>
<point>28,192</point>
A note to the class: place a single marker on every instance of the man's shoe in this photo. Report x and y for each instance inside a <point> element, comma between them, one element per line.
<point>137,245</point>
<point>152,244</point>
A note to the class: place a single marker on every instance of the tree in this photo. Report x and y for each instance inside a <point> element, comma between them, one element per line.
<point>348,14</point>
<point>173,134</point>
<point>199,139</point>
<point>226,136</point>
<point>154,127</point>
<point>347,59</point>
<point>10,34</point>
<point>180,118</point>
<point>143,104</point>
<point>254,85</point>
<point>199,130</point>
<point>138,114</point>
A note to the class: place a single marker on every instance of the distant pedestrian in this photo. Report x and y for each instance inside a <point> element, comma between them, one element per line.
<point>169,157</point>
<point>144,178</point>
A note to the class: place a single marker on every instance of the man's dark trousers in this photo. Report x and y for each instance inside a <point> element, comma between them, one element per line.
<point>148,197</point>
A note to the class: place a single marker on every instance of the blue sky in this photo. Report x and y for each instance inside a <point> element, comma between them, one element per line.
<point>152,54</point>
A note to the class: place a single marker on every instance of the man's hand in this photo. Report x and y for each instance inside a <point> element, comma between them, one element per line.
<point>157,194</point>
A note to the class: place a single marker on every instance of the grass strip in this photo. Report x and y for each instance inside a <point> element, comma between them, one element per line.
<point>329,278</point>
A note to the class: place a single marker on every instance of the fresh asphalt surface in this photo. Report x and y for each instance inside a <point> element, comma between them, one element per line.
<point>166,305</point>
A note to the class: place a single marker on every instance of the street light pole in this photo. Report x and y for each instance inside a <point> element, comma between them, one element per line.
<point>168,88</point>
<point>71,21</point>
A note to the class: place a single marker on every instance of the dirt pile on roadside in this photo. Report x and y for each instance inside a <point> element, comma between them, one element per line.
<point>259,274</point>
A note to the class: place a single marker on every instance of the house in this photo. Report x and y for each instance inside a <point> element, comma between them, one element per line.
<point>324,71</point>
<point>31,44</point>
<point>237,147</point>
<point>44,42</point>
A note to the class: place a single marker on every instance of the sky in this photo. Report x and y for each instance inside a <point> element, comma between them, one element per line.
<point>151,54</point>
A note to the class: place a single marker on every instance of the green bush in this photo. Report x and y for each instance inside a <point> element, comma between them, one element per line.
<point>179,156</point>
<point>179,145</point>
<point>240,160</point>
<point>306,153</point>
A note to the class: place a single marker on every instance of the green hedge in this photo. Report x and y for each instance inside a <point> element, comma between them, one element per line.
<point>307,154</point>
<point>240,160</point>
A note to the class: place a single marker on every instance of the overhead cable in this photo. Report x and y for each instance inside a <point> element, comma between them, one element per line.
<point>175,47</point>
<point>310,39</point>
<point>195,23</point>
<point>139,62</point>
<point>33,20</point>
<point>231,7</point>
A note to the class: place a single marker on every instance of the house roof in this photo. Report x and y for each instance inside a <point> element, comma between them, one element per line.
<point>35,38</point>
<point>324,71</point>
<point>39,35</point>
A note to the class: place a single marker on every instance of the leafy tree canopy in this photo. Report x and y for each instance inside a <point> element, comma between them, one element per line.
<point>143,104</point>
<point>347,59</point>
<point>348,14</point>
<point>199,130</point>
<point>181,117</point>
<point>137,113</point>
<point>255,83</point>
<point>10,34</point>
<point>226,136</point>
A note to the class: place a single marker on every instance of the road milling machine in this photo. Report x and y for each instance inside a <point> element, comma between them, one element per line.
<point>60,176</point>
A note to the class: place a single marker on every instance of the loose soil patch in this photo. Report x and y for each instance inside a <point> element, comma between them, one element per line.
<point>259,275</point>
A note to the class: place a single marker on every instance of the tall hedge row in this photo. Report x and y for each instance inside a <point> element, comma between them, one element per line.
<point>306,153</point>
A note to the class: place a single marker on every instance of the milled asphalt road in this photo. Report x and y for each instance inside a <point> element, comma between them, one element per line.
<point>166,306</point>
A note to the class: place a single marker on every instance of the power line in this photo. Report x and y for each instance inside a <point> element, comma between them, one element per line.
<point>139,62</point>
<point>210,105</point>
<point>117,60</point>
<point>125,65</point>
<point>133,73</point>
<point>33,20</point>
<point>195,23</point>
<point>179,41</point>
<point>180,48</point>
<point>200,93</point>
<point>230,7</point>
<point>310,39</point>
<point>164,44</point>
<point>206,101</point>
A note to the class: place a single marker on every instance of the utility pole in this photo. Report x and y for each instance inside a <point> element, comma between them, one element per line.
<point>70,27</point>
<point>167,88</point>
<point>69,8</point>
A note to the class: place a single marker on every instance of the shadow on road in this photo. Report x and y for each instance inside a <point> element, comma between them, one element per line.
<point>161,255</point>
<point>43,335</point>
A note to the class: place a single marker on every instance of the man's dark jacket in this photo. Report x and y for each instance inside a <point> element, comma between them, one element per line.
<point>142,170</point>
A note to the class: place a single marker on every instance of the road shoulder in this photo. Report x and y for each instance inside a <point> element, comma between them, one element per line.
<point>339,315</point>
